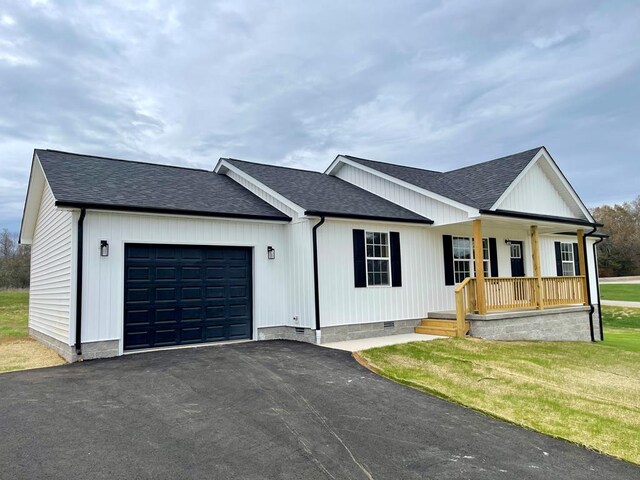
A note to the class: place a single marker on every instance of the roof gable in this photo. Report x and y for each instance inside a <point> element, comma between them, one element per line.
<point>107,183</point>
<point>478,186</point>
<point>318,193</point>
<point>541,188</point>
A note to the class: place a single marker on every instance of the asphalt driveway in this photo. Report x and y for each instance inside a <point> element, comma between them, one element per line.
<point>260,410</point>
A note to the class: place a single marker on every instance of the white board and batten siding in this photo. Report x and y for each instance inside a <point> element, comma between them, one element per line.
<point>540,193</point>
<point>431,208</point>
<point>422,290</point>
<point>273,280</point>
<point>51,291</point>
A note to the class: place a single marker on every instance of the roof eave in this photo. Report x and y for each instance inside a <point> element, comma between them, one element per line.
<point>540,217</point>
<point>317,213</point>
<point>169,211</point>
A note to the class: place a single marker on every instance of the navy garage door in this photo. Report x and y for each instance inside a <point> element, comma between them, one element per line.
<point>176,295</point>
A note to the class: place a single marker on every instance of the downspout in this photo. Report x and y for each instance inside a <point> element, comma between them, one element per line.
<point>83,213</point>
<point>316,289</point>
<point>586,278</point>
<point>595,261</point>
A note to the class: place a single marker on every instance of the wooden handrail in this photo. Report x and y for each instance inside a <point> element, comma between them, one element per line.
<point>517,293</point>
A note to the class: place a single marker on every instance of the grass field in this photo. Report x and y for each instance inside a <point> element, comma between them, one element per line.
<point>584,392</point>
<point>618,291</point>
<point>17,350</point>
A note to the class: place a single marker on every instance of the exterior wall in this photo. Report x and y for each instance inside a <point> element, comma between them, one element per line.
<point>536,193</point>
<point>299,277</point>
<point>50,293</point>
<point>423,288</point>
<point>103,282</point>
<point>568,324</point>
<point>438,211</point>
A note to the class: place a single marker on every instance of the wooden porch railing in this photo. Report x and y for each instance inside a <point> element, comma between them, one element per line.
<point>517,293</point>
<point>465,303</point>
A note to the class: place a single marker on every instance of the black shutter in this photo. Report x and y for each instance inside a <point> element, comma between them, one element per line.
<point>359,259</point>
<point>558,259</point>
<point>576,259</point>
<point>447,245</point>
<point>396,267</point>
<point>493,257</point>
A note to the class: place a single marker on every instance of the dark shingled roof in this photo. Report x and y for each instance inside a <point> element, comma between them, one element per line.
<point>478,186</point>
<point>98,182</point>
<point>324,194</point>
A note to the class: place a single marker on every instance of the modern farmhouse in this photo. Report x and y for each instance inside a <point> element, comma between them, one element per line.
<point>129,255</point>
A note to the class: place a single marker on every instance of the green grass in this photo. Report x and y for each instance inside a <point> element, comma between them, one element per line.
<point>621,327</point>
<point>17,350</point>
<point>14,309</point>
<point>622,292</point>
<point>584,392</point>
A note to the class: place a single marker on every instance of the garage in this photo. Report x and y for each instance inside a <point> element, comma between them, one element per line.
<point>176,295</point>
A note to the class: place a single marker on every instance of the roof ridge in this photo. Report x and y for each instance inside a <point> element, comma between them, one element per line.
<point>389,163</point>
<point>537,149</point>
<point>123,160</point>
<point>271,165</point>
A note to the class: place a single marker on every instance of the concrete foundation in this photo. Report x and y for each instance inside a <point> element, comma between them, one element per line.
<point>367,330</point>
<point>560,324</point>
<point>287,333</point>
<point>90,350</point>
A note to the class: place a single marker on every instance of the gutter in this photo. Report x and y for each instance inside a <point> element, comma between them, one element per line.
<point>549,218</point>
<point>316,213</point>
<point>595,261</point>
<point>316,289</point>
<point>586,278</point>
<point>83,213</point>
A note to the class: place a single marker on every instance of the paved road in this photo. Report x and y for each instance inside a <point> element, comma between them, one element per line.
<point>620,303</point>
<point>260,410</point>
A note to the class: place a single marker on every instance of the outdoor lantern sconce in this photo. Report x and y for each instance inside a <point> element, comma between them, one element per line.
<point>104,248</point>
<point>507,241</point>
<point>271,253</point>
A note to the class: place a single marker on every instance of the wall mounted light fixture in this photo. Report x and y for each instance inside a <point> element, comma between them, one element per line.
<point>271,253</point>
<point>507,241</point>
<point>104,248</point>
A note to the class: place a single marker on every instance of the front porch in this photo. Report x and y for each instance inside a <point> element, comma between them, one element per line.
<point>482,300</point>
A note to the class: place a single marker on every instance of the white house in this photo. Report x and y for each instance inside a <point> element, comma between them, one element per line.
<point>129,255</point>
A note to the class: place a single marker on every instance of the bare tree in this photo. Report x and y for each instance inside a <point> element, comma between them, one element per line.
<point>619,254</point>
<point>14,261</point>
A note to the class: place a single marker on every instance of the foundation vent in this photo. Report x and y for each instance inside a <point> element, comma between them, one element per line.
<point>389,325</point>
<point>299,330</point>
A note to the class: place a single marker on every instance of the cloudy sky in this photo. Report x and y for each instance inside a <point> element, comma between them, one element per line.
<point>438,84</point>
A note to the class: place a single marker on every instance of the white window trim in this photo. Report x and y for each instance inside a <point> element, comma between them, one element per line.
<point>387,258</point>
<point>472,263</point>
<point>572,261</point>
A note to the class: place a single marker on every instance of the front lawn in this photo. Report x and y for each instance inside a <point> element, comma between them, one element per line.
<point>621,327</point>
<point>17,350</point>
<point>584,392</point>
<point>629,292</point>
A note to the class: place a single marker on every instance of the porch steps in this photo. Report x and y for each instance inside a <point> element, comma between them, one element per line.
<point>439,326</point>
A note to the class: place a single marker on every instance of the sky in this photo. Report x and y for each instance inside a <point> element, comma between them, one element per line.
<point>433,84</point>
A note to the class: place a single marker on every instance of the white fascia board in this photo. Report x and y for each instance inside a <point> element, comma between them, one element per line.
<point>473,212</point>
<point>224,166</point>
<point>544,155</point>
<point>35,188</point>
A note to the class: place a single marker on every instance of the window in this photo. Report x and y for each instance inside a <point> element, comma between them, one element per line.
<point>516,251</point>
<point>568,264</point>
<point>378,259</point>
<point>463,256</point>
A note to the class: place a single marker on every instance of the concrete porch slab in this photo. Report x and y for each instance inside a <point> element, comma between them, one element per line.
<point>365,343</point>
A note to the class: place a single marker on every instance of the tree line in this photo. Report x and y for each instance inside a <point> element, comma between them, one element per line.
<point>618,255</point>
<point>14,261</point>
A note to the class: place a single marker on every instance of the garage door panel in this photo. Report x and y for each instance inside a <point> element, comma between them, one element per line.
<point>186,294</point>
